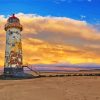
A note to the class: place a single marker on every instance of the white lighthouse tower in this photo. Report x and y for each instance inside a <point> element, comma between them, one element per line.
<point>13,52</point>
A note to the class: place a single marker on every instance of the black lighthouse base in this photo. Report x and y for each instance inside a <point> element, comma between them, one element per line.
<point>15,72</point>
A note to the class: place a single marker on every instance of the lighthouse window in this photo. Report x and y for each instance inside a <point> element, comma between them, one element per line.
<point>13,20</point>
<point>17,32</point>
<point>13,36</point>
<point>13,45</point>
<point>10,32</point>
<point>10,20</point>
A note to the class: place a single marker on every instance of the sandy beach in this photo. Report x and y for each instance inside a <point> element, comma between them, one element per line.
<point>51,88</point>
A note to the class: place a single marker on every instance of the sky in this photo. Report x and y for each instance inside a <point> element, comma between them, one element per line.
<point>77,9</point>
<point>55,31</point>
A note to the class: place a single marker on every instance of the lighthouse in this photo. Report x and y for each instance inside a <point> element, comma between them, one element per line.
<point>13,51</point>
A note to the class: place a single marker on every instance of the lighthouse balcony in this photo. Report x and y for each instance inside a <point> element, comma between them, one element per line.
<point>13,25</point>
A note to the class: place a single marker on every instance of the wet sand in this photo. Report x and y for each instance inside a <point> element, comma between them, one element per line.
<point>51,88</point>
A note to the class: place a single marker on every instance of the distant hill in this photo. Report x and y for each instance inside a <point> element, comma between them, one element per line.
<point>65,67</point>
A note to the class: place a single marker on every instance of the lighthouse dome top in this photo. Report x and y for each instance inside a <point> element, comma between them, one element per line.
<point>12,19</point>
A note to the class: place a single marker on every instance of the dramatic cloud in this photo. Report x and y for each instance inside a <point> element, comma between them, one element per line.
<point>55,40</point>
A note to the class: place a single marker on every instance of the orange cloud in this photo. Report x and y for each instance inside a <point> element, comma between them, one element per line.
<point>55,40</point>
